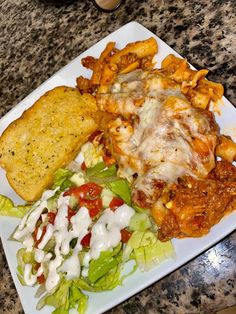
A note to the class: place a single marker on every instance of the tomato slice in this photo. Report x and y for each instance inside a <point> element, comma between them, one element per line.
<point>41,279</point>
<point>94,206</point>
<point>51,217</point>
<point>115,203</point>
<point>88,190</point>
<point>86,240</point>
<point>41,237</point>
<point>70,213</point>
<point>88,196</point>
<point>125,235</point>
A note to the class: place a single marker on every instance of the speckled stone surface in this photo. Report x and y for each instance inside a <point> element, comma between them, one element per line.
<point>38,37</point>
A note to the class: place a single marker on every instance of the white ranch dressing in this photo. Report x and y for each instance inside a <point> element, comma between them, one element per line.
<point>106,234</point>
<point>106,231</point>
<point>28,242</point>
<point>40,256</point>
<point>80,224</point>
<point>59,230</point>
<point>79,228</point>
<point>29,278</point>
<point>28,223</point>
<point>46,237</point>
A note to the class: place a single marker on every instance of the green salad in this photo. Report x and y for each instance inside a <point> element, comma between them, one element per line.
<point>81,233</point>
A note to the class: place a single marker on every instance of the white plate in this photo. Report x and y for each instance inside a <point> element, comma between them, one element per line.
<point>185,249</point>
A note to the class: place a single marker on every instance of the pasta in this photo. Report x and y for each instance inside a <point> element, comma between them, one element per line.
<point>165,138</point>
<point>226,149</point>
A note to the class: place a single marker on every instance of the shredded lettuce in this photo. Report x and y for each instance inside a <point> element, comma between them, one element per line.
<point>67,296</point>
<point>109,281</point>
<point>7,208</point>
<point>23,257</point>
<point>96,170</point>
<point>59,299</point>
<point>101,266</point>
<point>140,222</point>
<point>78,298</point>
<point>101,174</point>
<point>61,179</point>
<point>147,250</point>
<point>5,203</point>
<point>105,272</point>
<point>121,188</point>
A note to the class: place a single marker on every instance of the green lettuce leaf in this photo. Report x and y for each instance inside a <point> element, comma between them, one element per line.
<point>59,298</point>
<point>96,170</point>
<point>67,296</point>
<point>78,298</point>
<point>108,282</point>
<point>7,208</point>
<point>101,266</point>
<point>147,250</point>
<point>60,310</point>
<point>23,257</point>
<point>101,174</point>
<point>140,222</point>
<point>61,179</point>
<point>121,188</point>
<point>104,273</point>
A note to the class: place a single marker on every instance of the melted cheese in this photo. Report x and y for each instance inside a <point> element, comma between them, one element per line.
<point>168,139</point>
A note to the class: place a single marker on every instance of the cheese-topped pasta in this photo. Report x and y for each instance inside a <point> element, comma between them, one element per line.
<point>162,138</point>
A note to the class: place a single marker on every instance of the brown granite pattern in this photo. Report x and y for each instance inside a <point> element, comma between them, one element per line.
<point>38,37</point>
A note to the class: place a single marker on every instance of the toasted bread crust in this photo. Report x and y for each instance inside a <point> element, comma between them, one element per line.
<point>46,137</point>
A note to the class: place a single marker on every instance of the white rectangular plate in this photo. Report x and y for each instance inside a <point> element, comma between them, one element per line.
<point>185,249</point>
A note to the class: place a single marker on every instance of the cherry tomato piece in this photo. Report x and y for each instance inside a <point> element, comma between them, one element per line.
<point>94,206</point>
<point>115,203</point>
<point>37,241</point>
<point>125,235</point>
<point>41,279</point>
<point>88,190</point>
<point>51,217</point>
<point>86,240</point>
<point>34,234</point>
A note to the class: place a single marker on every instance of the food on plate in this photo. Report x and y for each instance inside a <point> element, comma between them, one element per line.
<point>147,171</point>
<point>226,149</point>
<point>166,140</point>
<point>196,205</point>
<point>46,137</point>
<point>79,236</point>
<point>113,61</point>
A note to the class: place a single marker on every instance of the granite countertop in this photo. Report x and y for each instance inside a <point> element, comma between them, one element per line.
<point>39,37</point>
